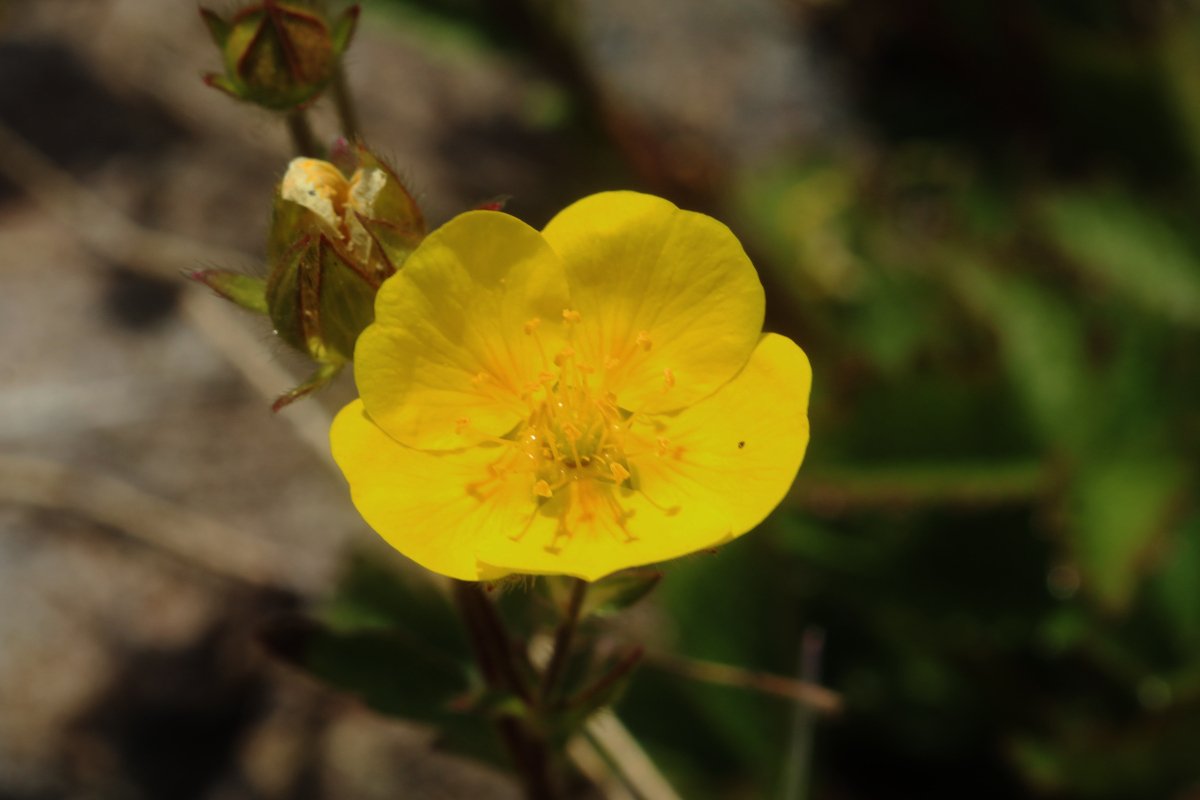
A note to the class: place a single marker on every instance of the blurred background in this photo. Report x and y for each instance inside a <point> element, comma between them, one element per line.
<point>977,218</point>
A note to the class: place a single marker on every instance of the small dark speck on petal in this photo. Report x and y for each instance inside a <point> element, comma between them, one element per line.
<point>741,445</point>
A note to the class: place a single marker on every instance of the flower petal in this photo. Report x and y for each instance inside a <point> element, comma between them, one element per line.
<point>670,305</point>
<point>740,449</point>
<point>427,505</point>
<point>448,358</point>
<point>705,475</point>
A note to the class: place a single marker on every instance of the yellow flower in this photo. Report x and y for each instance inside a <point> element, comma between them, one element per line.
<point>595,396</point>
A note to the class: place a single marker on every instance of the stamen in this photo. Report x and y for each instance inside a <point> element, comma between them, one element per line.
<point>643,340</point>
<point>571,316</point>
<point>668,379</point>
<point>619,473</point>
<point>564,356</point>
<point>542,489</point>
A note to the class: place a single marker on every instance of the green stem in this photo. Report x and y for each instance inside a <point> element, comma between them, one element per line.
<point>562,641</point>
<point>302,134</point>
<point>343,100</point>
<point>494,653</point>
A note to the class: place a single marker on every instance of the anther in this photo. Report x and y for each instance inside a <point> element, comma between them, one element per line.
<point>664,445</point>
<point>461,424</point>
<point>571,315</point>
<point>668,379</point>
<point>532,325</point>
<point>563,355</point>
<point>619,473</point>
<point>571,431</point>
<point>542,489</point>
<point>643,340</point>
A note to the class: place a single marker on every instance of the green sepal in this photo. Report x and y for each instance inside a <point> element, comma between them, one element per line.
<point>618,592</point>
<point>318,298</point>
<point>284,301</point>
<point>396,224</point>
<point>279,56</point>
<point>324,374</point>
<point>346,299</point>
<point>602,690</point>
<point>343,29</point>
<point>244,290</point>
<point>223,84</point>
<point>218,28</point>
<point>492,704</point>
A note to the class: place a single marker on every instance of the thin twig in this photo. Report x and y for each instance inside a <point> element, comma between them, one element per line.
<point>820,699</point>
<point>797,780</point>
<point>160,524</point>
<point>614,743</point>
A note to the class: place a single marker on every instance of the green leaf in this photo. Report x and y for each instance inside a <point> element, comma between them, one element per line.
<point>1041,346</point>
<point>1122,244</point>
<point>392,670</point>
<point>372,594</point>
<point>1178,585</point>
<point>1122,510</point>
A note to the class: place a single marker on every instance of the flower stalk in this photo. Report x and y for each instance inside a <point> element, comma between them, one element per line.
<point>562,643</point>
<point>497,662</point>
<point>304,141</point>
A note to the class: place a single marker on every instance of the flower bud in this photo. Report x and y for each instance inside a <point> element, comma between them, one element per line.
<point>278,55</point>
<point>333,242</point>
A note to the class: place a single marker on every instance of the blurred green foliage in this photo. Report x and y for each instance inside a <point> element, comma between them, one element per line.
<point>996,528</point>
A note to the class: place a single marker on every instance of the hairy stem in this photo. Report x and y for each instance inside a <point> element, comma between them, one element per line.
<point>301,132</point>
<point>343,100</point>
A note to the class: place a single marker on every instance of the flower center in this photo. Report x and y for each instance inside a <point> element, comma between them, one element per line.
<point>576,444</point>
<point>574,432</point>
